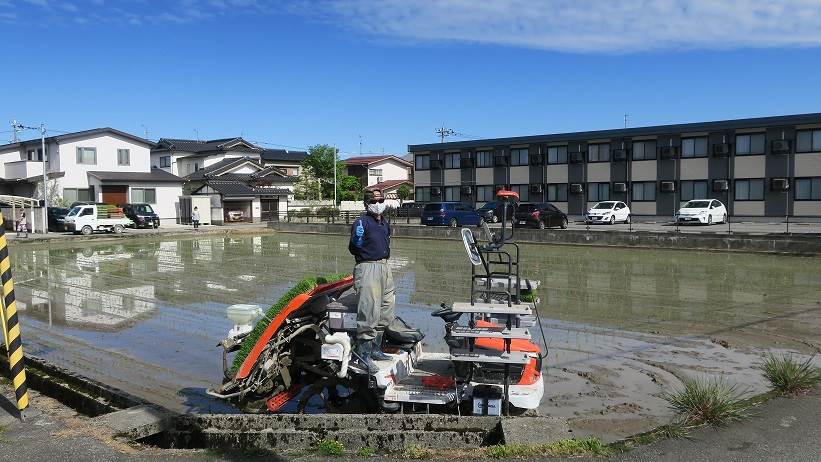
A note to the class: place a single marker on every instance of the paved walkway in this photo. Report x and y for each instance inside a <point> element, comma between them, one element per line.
<point>166,229</point>
<point>784,429</point>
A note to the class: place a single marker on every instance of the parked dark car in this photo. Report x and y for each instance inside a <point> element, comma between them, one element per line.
<point>539,215</point>
<point>142,215</point>
<point>492,211</point>
<point>56,218</point>
<point>450,214</point>
<point>410,209</point>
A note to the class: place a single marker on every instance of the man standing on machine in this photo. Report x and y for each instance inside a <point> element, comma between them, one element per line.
<point>370,245</point>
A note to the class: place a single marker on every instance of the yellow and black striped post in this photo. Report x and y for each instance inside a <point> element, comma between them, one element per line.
<point>11,325</point>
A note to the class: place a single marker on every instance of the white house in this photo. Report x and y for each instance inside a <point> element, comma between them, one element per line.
<point>185,157</point>
<point>100,165</point>
<point>243,190</point>
<point>387,173</point>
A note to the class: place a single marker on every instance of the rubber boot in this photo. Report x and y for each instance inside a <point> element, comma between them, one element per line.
<point>364,349</point>
<point>376,353</point>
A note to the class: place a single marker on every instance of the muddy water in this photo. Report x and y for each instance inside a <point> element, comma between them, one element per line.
<point>621,325</point>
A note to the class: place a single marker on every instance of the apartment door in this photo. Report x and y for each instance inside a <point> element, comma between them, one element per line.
<point>115,195</point>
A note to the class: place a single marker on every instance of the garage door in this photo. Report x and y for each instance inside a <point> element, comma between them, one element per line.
<point>115,195</point>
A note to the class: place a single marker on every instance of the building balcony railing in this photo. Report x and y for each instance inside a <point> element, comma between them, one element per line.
<point>22,169</point>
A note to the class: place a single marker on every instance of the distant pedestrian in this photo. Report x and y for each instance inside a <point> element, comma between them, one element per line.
<point>21,225</point>
<point>195,217</point>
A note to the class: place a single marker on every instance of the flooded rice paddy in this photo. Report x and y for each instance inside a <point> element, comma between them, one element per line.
<point>622,325</point>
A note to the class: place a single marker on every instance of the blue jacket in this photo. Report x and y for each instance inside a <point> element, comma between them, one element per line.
<point>370,239</point>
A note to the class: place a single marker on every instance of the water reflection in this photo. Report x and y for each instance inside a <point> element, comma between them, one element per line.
<point>161,304</point>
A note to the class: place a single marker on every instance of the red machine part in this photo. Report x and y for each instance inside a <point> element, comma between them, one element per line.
<point>439,382</point>
<point>276,402</point>
<point>525,346</point>
<point>504,194</point>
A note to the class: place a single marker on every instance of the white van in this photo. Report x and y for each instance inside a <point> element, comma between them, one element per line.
<point>84,219</point>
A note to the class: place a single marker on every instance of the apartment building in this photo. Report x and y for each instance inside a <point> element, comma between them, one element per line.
<point>768,166</point>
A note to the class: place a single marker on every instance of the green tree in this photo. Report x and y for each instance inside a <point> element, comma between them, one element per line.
<point>307,186</point>
<point>321,160</point>
<point>349,188</point>
<point>402,193</point>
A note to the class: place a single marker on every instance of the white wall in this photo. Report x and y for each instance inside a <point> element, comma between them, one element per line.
<point>76,175</point>
<point>391,170</point>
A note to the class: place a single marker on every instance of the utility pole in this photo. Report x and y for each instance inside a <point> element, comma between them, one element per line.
<point>15,127</point>
<point>443,132</point>
<point>334,174</point>
<point>626,116</point>
<point>360,145</point>
<point>45,178</point>
<point>198,134</point>
<point>145,131</point>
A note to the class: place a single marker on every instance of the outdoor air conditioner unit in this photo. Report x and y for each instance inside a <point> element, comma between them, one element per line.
<point>537,159</point>
<point>721,185</point>
<point>500,160</point>
<point>721,149</point>
<point>668,152</point>
<point>536,188</point>
<point>576,157</point>
<point>780,147</point>
<point>779,184</point>
<point>620,154</point>
<point>467,190</point>
<point>668,186</point>
<point>435,191</point>
<point>576,188</point>
<point>619,187</point>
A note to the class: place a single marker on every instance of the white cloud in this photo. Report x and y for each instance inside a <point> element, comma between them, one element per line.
<point>586,25</point>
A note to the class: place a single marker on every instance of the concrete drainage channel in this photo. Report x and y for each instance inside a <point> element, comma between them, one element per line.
<point>135,419</point>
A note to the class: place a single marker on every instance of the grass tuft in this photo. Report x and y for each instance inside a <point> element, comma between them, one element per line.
<point>707,402</point>
<point>789,376</point>
<point>414,452</point>
<point>365,452</point>
<point>330,448</point>
<point>302,286</point>
<point>591,446</point>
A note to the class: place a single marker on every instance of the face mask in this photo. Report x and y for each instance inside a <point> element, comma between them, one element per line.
<point>377,209</point>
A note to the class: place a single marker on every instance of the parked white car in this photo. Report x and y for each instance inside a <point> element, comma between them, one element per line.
<point>608,212</point>
<point>703,211</point>
<point>85,219</point>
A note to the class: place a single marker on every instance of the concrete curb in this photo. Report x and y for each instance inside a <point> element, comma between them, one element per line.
<point>801,245</point>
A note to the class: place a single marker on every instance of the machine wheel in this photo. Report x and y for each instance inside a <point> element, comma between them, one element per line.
<point>541,224</point>
<point>495,219</point>
<point>612,219</point>
<point>86,230</point>
<point>627,220</point>
<point>724,220</point>
<point>118,229</point>
<point>453,223</point>
<point>709,220</point>
<point>564,223</point>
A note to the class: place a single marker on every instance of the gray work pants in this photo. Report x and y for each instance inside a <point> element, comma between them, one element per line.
<point>373,282</point>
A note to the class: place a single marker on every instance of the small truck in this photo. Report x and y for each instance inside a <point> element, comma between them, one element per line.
<point>86,219</point>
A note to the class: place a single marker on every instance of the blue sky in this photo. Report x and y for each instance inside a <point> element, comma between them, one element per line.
<point>307,72</point>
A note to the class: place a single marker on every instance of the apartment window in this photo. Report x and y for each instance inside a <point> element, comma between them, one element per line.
<point>598,192</point>
<point>523,190</point>
<point>808,141</point>
<point>746,145</point>
<point>644,150</point>
<point>452,160</point>
<point>422,162</point>
<point>144,195</point>
<point>422,194</point>
<point>87,156</point>
<point>519,156</point>
<point>749,190</point>
<point>484,159</point>
<point>557,192</point>
<point>693,189</point>
<point>643,191</point>
<point>123,157</point>
<point>694,147</point>
<point>808,189</point>
<point>165,161</point>
<point>452,193</point>
<point>484,193</point>
<point>71,195</point>
<point>374,172</point>
<point>598,153</point>
<point>557,155</point>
